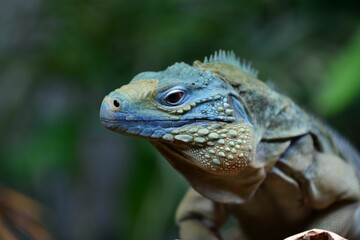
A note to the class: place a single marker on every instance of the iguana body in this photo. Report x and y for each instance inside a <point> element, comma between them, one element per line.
<point>246,150</point>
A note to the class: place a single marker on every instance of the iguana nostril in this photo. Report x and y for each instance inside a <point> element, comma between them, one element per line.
<point>116,103</point>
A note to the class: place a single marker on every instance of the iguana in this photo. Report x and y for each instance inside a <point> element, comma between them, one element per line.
<point>246,150</point>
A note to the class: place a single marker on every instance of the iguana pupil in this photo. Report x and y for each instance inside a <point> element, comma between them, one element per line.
<point>174,97</point>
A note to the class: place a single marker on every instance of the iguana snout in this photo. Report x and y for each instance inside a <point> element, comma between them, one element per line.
<point>137,92</point>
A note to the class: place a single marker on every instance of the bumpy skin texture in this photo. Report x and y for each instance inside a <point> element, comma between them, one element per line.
<point>246,151</point>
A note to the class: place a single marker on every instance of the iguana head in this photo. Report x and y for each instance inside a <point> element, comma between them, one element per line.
<point>189,111</point>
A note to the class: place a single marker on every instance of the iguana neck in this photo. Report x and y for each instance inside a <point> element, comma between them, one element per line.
<point>231,188</point>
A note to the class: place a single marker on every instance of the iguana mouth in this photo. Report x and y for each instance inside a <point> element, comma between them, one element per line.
<point>151,128</point>
<point>149,123</point>
<point>122,121</point>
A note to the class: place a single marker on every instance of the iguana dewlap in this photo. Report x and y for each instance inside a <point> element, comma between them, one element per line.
<point>246,151</point>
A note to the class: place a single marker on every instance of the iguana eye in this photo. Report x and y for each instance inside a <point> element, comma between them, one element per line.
<point>174,97</point>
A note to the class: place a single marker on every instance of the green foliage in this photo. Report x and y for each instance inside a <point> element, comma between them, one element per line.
<point>152,196</point>
<point>342,79</point>
<point>48,150</point>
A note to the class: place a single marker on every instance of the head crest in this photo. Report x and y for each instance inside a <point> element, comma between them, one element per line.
<point>229,57</point>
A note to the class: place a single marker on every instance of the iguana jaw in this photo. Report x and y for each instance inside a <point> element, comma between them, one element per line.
<point>218,148</point>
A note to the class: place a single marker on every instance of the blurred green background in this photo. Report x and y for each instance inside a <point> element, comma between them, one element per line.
<point>59,58</point>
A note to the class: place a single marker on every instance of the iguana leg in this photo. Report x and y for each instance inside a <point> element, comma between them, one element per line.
<point>329,186</point>
<point>339,219</point>
<point>355,228</point>
<point>333,190</point>
<point>199,218</point>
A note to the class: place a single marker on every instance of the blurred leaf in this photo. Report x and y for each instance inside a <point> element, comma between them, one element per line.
<point>20,214</point>
<point>343,79</point>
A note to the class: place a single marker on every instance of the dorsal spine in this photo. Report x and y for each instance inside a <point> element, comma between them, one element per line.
<point>229,57</point>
